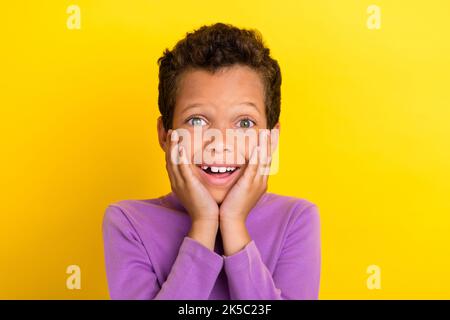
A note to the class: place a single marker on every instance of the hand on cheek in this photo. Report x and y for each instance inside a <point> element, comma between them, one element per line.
<point>248,189</point>
<point>241,198</point>
<point>195,197</point>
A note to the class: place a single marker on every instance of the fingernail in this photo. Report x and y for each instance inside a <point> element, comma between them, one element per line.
<point>174,136</point>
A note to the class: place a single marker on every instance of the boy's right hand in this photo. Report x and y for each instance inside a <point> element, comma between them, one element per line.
<point>197,200</point>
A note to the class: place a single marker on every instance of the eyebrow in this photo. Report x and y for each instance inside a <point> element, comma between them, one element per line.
<point>193,105</point>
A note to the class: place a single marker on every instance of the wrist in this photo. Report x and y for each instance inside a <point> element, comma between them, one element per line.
<point>235,236</point>
<point>231,223</point>
<point>205,222</point>
<point>204,232</point>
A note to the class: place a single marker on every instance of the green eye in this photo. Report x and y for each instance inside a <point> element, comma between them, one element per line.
<point>196,121</point>
<point>246,123</point>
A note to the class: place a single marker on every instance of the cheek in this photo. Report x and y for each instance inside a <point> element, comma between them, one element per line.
<point>218,195</point>
<point>242,152</point>
<point>196,153</point>
<point>194,150</point>
<point>198,150</point>
<point>246,149</point>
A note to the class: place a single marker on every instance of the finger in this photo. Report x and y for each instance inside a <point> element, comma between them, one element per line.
<point>260,170</point>
<point>266,159</point>
<point>252,165</point>
<point>264,145</point>
<point>172,157</point>
<point>169,167</point>
<point>264,168</point>
<point>185,166</point>
<point>167,157</point>
<point>169,148</point>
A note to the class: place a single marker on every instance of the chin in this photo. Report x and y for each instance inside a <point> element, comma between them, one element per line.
<point>218,179</point>
<point>218,195</point>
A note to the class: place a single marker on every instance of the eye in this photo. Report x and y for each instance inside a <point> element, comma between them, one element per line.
<point>196,121</point>
<point>246,123</point>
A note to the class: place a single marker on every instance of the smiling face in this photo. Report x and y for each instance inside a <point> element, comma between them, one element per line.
<point>231,98</point>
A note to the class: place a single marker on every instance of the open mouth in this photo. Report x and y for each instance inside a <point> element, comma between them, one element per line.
<point>218,170</point>
<point>219,174</point>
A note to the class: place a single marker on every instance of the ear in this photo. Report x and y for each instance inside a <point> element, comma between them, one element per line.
<point>162,134</point>
<point>274,137</point>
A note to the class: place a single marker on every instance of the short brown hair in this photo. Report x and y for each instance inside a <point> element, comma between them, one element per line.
<point>211,48</point>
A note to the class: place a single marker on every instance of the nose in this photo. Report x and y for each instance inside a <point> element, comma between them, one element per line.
<point>217,146</point>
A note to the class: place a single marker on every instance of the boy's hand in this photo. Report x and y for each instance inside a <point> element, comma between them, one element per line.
<point>240,200</point>
<point>243,196</point>
<point>199,203</point>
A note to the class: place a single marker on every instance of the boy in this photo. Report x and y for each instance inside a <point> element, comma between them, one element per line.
<point>218,234</point>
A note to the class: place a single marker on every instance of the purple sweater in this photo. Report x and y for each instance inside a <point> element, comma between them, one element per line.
<point>148,254</point>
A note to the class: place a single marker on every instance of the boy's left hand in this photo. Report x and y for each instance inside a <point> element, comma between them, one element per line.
<point>243,196</point>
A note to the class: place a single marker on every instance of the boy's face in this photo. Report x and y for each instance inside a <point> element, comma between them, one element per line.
<point>232,98</point>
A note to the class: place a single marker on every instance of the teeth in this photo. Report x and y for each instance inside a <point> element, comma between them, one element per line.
<point>219,169</point>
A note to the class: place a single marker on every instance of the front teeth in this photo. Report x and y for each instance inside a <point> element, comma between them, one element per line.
<point>219,169</point>
<point>216,169</point>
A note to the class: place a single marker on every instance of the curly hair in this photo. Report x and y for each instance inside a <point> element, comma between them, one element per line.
<point>214,47</point>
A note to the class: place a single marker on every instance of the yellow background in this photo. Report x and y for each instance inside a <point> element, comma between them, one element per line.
<point>364,134</point>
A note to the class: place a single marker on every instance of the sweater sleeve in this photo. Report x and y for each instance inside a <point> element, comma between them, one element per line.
<point>297,273</point>
<point>130,272</point>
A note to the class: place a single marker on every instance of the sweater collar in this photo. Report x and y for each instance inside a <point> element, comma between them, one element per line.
<point>172,200</point>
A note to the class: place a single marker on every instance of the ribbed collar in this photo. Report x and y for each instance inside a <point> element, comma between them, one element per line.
<point>171,200</point>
